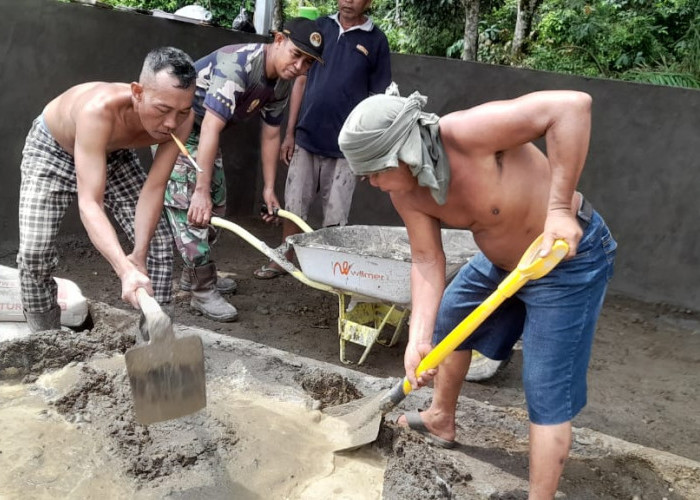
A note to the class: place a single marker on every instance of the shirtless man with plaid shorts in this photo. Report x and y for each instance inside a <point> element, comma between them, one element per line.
<point>82,146</point>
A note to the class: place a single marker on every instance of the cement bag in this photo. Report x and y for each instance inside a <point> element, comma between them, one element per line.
<point>11,330</point>
<point>74,307</point>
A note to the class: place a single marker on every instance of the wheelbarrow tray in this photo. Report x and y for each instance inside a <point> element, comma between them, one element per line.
<point>372,261</point>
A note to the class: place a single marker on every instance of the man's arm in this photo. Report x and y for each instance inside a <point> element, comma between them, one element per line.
<point>427,285</point>
<point>563,118</point>
<point>269,151</point>
<point>199,212</point>
<point>287,149</point>
<point>150,205</point>
<point>93,129</point>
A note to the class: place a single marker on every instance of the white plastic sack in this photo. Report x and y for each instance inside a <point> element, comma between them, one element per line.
<point>74,307</point>
<point>11,331</point>
<point>196,12</point>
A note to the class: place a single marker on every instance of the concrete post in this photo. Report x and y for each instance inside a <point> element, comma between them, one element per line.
<point>263,16</point>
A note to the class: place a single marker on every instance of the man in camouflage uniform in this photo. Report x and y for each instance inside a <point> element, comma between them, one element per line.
<point>234,83</point>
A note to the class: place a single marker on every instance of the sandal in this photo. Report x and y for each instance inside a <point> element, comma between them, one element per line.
<point>415,423</point>
<point>267,272</point>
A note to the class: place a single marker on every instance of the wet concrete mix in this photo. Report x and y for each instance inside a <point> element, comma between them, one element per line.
<point>225,451</point>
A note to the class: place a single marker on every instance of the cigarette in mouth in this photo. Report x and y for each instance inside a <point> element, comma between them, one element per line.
<point>185,152</point>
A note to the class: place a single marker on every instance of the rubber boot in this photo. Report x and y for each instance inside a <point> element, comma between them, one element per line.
<point>206,299</point>
<point>223,284</point>
<point>49,320</point>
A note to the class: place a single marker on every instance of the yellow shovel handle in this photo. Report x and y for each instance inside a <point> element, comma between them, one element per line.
<point>528,269</point>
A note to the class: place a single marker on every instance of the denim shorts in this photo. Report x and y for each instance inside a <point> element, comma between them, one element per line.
<point>556,316</point>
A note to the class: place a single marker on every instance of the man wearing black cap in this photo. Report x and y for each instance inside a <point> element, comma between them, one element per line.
<point>233,83</point>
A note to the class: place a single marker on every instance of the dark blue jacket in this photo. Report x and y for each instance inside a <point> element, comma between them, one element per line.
<point>357,64</point>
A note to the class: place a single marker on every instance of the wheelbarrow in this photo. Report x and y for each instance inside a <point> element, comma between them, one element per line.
<point>367,267</point>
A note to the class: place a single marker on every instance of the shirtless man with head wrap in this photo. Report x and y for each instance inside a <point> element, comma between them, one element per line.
<point>477,169</point>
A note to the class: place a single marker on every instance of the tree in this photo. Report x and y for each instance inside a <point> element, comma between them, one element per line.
<point>471,29</point>
<point>523,25</point>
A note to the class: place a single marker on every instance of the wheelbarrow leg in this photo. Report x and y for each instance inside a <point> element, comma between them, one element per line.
<point>395,316</point>
<point>347,361</point>
<point>355,330</point>
<point>364,324</point>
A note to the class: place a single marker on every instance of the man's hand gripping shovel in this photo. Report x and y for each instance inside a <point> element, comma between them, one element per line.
<point>361,418</point>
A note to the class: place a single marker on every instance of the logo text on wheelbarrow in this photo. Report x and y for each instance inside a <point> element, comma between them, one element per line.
<point>345,268</point>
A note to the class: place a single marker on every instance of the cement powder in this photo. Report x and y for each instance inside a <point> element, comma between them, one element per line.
<point>383,242</point>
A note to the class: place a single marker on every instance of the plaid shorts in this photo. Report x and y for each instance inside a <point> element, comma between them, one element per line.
<point>48,187</point>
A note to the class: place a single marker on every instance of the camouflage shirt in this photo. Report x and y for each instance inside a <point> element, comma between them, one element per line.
<point>231,83</point>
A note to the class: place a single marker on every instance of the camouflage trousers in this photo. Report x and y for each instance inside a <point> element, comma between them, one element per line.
<point>193,243</point>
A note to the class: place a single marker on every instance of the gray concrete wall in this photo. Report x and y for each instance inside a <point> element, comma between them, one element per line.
<point>642,174</point>
<point>47,46</point>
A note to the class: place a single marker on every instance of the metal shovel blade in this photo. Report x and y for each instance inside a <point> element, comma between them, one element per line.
<point>167,379</point>
<point>357,422</point>
<point>167,375</point>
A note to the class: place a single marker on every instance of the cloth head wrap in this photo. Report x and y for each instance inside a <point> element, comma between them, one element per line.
<point>384,129</point>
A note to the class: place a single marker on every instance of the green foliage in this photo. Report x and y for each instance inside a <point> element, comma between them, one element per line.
<point>658,77</point>
<point>420,27</point>
<point>653,41</point>
<point>656,41</point>
<point>595,37</point>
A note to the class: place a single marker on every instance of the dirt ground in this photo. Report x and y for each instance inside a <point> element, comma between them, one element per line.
<point>643,381</point>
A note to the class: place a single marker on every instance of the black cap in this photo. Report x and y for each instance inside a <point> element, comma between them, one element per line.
<point>305,35</point>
